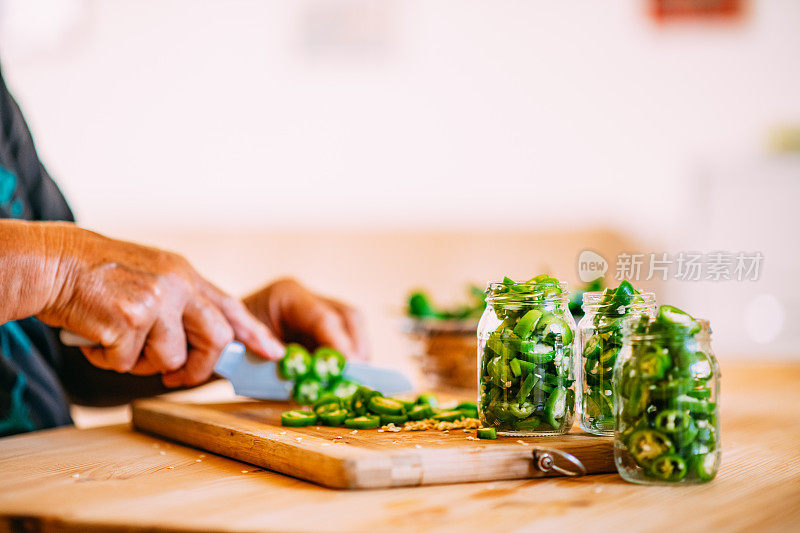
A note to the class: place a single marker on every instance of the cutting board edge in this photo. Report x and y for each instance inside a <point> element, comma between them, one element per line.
<point>341,466</point>
<point>150,416</point>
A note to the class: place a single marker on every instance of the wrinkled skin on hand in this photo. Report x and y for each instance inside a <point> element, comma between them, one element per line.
<point>149,309</point>
<point>296,314</point>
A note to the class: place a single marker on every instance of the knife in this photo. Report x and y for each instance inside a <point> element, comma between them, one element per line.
<point>255,377</point>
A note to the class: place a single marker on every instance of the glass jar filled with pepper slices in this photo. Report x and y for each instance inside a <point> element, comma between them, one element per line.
<point>666,388</point>
<point>525,358</point>
<point>600,335</point>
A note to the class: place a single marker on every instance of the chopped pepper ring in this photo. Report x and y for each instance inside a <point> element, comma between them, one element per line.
<point>363,422</point>
<point>298,418</point>
<point>295,363</point>
<point>385,406</point>
<point>327,364</point>
<point>668,467</point>
<point>645,445</point>
<point>333,418</point>
<point>420,412</point>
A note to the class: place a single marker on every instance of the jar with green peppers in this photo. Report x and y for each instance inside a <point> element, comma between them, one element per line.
<point>600,335</point>
<point>666,389</point>
<point>525,358</point>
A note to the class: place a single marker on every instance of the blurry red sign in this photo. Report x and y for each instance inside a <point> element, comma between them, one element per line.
<point>674,10</point>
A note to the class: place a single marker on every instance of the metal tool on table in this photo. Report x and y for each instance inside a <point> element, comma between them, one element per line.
<point>254,377</point>
<point>544,459</point>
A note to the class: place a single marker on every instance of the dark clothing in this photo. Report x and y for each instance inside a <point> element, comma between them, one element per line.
<point>26,190</point>
<point>38,375</point>
<point>31,395</point>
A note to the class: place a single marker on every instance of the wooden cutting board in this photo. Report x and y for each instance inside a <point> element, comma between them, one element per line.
<point>364,459</point>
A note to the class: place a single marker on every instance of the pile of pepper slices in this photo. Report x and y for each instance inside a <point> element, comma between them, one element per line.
<point>337,401</point>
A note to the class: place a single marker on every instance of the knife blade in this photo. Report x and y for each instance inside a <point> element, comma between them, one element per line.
<point>255,377</point>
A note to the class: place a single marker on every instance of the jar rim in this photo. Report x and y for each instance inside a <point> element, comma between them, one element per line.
<point>592,299</point>
<point>493,296</point>
<point>493,285</point>
<point>705,331</point>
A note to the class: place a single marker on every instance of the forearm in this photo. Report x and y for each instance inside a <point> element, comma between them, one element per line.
<point>31,272</point>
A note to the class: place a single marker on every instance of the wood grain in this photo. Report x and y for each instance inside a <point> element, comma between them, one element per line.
<point>352,459</point>
<point>115,479</point>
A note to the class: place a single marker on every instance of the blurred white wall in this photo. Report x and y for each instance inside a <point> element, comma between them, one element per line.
<point>355,115</point>
<point>320,112</point>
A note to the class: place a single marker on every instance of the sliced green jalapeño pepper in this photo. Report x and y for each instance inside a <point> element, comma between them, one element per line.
<point>672,316</point>
<point>593,347</point>
<point>526,358</point>
<point>608,357</point>
<point>358,403</point>
<point>535,279</point>
<point>555,328</point>
<point>654,364</point>
<point>385,406</point>
<point>307,390</point>
<point>448,416</point>
<point>529,424</point>
<point>623,294</point>
<point>522,410</point>
<point>333,418</point>
<point>668,467</point>
<point>541,353</point>
<point>298,418</point>
<point>672,421</point>
<point>678,425</point>
<point>427,399</point>
<point>645,445</point>
<point>487,433</point>
<point>343,388</point>
<point>527,323</point>
<point>527,386</point>
<point>667,390</point>
<point>295,363</point>
<point>363,422</point>
<point>556,407</point>
<point>327,402</point>
<point>407,404</point>
<point>468,409</point>
<point>327,364</point>
<point>420,412</point>
<point>704,466</point>
<point>397,420</point>
<point>499,371</point>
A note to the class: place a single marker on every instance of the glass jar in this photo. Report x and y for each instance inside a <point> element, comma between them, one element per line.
<point>667,395</point>
<point>444,353</point>
<point>525,358</point>
<point>600,335</point>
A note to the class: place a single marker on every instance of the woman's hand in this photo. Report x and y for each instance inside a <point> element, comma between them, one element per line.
<point>150,311</point>
<point>296,314</point>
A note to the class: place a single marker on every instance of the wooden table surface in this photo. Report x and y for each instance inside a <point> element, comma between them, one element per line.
<point>112,478</point>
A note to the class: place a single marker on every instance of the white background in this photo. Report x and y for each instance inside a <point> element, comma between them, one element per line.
<point>382,116</point>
